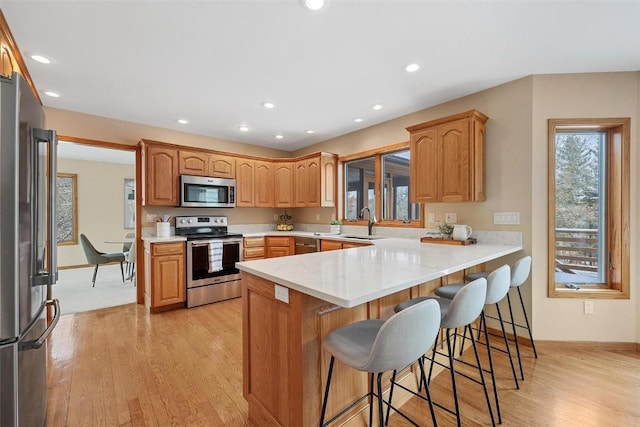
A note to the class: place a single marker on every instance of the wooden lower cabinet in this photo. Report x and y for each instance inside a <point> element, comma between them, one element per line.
<point>278,246</point>
<point>253,248</point>
<point>284,364</point>
<point>332,245</point>
<point>165,276</point>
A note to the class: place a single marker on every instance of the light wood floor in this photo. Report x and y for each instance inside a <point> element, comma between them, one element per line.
<point>123,367</point>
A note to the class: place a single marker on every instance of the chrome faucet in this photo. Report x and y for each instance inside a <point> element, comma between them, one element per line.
<point>372,221</point>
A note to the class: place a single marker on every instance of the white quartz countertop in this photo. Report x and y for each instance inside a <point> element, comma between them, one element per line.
<point>350,277</point>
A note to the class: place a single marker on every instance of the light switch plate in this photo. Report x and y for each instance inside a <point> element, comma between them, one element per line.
<point>282,294</point>
<point>506,218</point>
<point>432,217</point>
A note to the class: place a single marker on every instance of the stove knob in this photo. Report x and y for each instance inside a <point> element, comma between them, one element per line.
<point>189,220</point>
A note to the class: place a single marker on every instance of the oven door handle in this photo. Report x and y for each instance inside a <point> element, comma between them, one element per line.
<point>206,242</point>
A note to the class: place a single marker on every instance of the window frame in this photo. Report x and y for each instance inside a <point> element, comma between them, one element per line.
<point>377,154</point>
<point>617,283</point>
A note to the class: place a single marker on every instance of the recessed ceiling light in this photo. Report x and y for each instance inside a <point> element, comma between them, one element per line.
<point>378,107</point>
<point>314,4</point>
<point>358,120</point>
<point>243,128</point>
<point>412,68</point>
<point>182,121</point>
<point>310,131</point>
<point>52,94</point>
<point>40,58</point>
<point>268,105</point>
<point>279,136</point>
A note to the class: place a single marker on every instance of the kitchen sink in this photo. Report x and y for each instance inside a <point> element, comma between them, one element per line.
<point>348,236</point>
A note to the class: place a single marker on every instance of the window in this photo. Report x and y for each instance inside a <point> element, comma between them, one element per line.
<point>67,209</point>
<point>589,208</point>
<point>380,181</point>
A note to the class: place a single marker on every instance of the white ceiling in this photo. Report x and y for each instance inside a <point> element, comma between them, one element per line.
<point>214,62</point>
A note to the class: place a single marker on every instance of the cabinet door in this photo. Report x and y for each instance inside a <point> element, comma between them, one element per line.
<point>347,245</point>
<point>263,184</point>
<point>278,251</point>
<point>193,163</point>
<point>328,182</point>
<point>453,176</point>
<point>313,182</point>
<point>161,180</point>
<point>330,245</point>
<point>168,280</point>
<point>424,166</point>
<point>222,166</point>
<point>300,182</point>
<point>245,171</point>
<point>283,184</point>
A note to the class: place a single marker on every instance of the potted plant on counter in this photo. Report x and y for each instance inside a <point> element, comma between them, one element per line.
<point>445,230</point>
<point>335,226</point>
<point>285,226</point>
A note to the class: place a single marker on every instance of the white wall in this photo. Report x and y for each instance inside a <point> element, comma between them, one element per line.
<point>100,206</point>
<point>581,96</point>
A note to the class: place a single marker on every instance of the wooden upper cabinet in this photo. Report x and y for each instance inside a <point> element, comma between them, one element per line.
<point>263,184</point>
<point>315,181</point>
<point>424,167</point>
<point>447,159</point>
<point>283,184</point>
<point>301,186</point>
<point>245,171</point>
<point>328,181</point>
<point>160,177</point>
<point>193,163</point>
<point>222,166</point>
<point>205,164</point>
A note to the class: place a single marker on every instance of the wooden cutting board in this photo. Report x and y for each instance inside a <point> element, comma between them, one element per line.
<point>469,241</point>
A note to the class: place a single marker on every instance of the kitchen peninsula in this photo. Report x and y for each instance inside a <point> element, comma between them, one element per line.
<point>291,303</point>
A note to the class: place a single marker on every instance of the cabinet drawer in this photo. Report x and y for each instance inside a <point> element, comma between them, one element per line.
<point>256,252</point>
<point>278,241</point>
<point>167,248</point>
<point>250,242</point>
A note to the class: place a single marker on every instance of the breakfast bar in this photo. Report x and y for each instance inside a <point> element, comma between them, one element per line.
<point>291,303</point>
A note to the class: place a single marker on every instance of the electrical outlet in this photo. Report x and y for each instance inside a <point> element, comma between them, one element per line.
<point>588,306</point>
<point>275,217</point>
<point>317,217</point>
<point>151,218</point>
<point>282,293</point>
<point>451,217</point>
<point>432,217</point>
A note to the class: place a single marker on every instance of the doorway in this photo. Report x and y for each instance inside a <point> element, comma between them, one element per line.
<point>96,197</point>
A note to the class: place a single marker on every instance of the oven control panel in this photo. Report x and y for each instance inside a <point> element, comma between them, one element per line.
<point>200,221</point>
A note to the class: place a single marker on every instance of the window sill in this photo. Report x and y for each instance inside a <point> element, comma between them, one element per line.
<point>588,292</point>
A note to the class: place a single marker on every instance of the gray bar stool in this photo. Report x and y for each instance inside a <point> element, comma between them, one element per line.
<point>519,274</point>
<point>459,312</point>
<point>378,346</point>
<point>497,288</point>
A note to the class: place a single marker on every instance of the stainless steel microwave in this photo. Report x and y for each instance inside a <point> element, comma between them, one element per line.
<point>207,192</point>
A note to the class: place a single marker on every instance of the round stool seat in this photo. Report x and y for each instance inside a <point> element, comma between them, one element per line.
<point>352,343</point>
<point>449,291</point>
<point>473,276</point>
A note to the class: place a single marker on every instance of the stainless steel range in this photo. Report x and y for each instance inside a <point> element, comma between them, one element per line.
<point>212,253</point>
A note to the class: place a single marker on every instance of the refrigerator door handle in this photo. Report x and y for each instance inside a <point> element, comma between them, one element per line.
<point>50,137</point>
<point>37,343</point>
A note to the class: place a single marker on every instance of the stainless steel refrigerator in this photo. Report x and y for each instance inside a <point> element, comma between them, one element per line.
<point>28,252</point>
